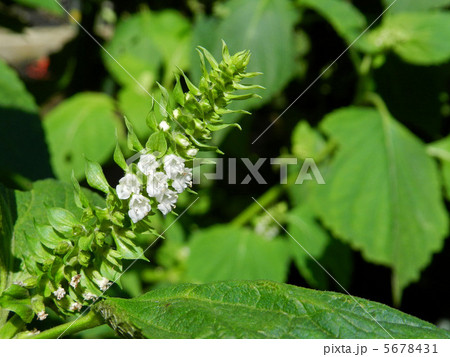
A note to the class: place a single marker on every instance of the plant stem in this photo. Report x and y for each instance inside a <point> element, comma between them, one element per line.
<point>12,327</point>
<point>91,320</point>
<point>265,200</point>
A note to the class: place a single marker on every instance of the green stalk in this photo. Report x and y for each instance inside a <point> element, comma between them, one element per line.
<point>266,199</point>
<point>91,320</point>
<point>12,327</point>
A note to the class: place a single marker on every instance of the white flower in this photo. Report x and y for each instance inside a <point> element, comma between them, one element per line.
<point>176,113</point>
<point>60,293</point>
<point>167,201</point>
<point>42,315</point>
<point>89,296</point>
<point>139,207</point>
<point>75,306</point>
<point>182,180</point>
<point>164,126</point>
<point>75,281</point>
<point>192,152</point>
<point>173,165</point>
<point>104,284</point>
<point>147,164</point>
<point>127,185</point>
<point>156,184</point>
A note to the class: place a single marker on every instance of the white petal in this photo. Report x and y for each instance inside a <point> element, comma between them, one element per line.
<point>164,126</point>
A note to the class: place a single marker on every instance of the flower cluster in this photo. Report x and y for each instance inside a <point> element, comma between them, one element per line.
<point>162,179</point>
<point>81,251</point>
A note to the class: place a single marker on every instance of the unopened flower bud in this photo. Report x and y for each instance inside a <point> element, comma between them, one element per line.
<point>75,281</point>
<point>164,126</point>
<point>84,258</point>
<point>63,247</point>
<point>59,293</point>
<point>182,140</point>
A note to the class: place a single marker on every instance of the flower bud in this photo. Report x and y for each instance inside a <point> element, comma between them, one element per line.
<point>63,247</point>
<point>30,283</point>
<point>84,258</point>
<point>100,238</point>
<point>182,140</point>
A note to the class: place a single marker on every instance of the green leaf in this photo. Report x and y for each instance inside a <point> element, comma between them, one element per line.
<point>346,19</point>
<point>441,149</point>
<point>14,93</point>
<point>307,142</point>
<point>157,143</point>
<point>127,249</point>
<point>132,140</point>
<point>224,252</point>
<point>418,38</point>
<point>266,28</point>
<point>257,309</point>
<point>31,213</point>
<point>95,176</point>
<point>49,5</point>
<point>414,5</point>
<point>17,299</point>
<point>7,217</point>
<point>119,159</point>
<point>382,193</point>
<point>61,219</point>
<point>143,42</point>
<point>331,254</point>
<point>18,112</point>
<point>84,124</point>
<point>135,105</point>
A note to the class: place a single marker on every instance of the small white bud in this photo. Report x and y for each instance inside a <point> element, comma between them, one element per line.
<point>89,296</point>
<point>75,281</point>
<point>164,126</point>
<point>104,284</point>
<point>60,293</point>
<point>176,113</point>
<point>41,315</point>
<point>75,306</point>
<point>192,152</point>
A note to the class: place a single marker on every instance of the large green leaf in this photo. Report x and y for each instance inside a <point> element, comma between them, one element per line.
<point>331,254</point>
<point>441,150</point>
<point>32,208</point>
<point>414,5</point>
<point>50,5</point>
<point>418,38</point>
<point>258,309</point>
<point>346,19</point>
<point>82,126</point>
<point>266,28</point>
<point>382,193</point>
<point>19,241</point>
<point>143,42</point>
<point>18,112</point>
<point>224,252</point>
<point>14,93</point>
<point>135,105</point>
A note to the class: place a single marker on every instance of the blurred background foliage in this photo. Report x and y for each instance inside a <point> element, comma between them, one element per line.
<point>376,122</point>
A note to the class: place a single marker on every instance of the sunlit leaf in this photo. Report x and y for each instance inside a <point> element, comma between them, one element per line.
<point>224,252</point>
<point>83,125</point>
<point>258,309</point>
<point>382,193</point>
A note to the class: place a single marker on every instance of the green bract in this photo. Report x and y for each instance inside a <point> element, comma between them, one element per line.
<point>71,249</point>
